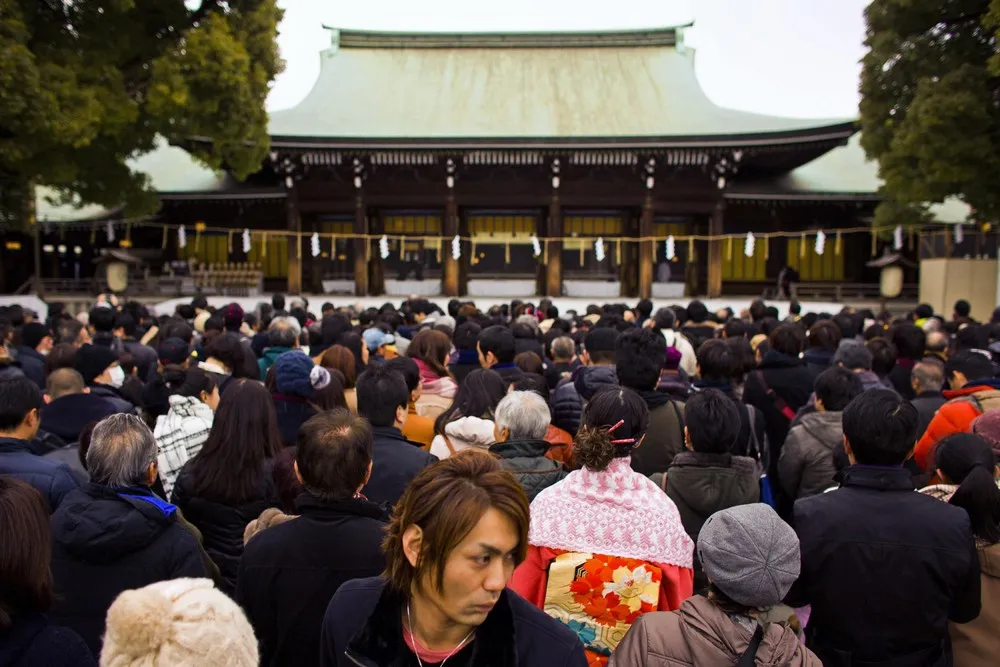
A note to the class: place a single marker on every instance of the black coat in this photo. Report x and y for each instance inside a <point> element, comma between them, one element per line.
<point>289,573</point>
<point>817,360</point>
<point>702,484</point>
<point>222,525</point>
<point>292,413</point>
<point>53,480</point>
<point>567,400</point>
<point>509,373</point>
<point>753,432</point>
<point>67,415</point>
<point>927,405</point>
<point>145,356</point>
<point>556,371</point>
<point>395,462</point>
<point>105,541</point>
<point>526,460</point>
<point>363,627</point>
<point>885,569</point>
<point>32,365</point>
<point>900,376</point>
<point>34,642</point>
<point>115,397</point>
<point>466,362</point>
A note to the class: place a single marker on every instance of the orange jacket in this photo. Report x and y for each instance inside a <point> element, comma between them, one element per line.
<point>955,416</point>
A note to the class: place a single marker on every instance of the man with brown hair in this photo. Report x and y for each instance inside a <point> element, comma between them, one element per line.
<point>455,537</point>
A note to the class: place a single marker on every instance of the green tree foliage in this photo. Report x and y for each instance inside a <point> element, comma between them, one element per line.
<point>930,108</point>
<point>87,84</point>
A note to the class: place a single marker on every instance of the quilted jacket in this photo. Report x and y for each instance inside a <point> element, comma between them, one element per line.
<point>526,460</point>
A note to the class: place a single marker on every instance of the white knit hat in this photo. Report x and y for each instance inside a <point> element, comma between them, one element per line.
<point>179,623</point>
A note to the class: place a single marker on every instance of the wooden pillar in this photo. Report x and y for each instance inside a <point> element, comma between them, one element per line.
<point>553,268</point>
<point>361,245</point>
<point>450,276</point>
<point>715,228</point>
<point>646,249</point>
<point>294,220</point>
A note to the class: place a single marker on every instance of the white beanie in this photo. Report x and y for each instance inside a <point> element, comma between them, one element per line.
<point>179,623</point>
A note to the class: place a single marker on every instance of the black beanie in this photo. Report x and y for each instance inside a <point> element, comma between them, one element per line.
<point>92,360</point>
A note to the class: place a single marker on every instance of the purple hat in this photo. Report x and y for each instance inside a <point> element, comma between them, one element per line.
<point>987,426</point>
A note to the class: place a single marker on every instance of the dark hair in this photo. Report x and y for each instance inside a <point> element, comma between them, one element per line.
<point>102,319</point>
<point>758,309</point>
<point>881,427</point>
<point>743,358</point>
<point>229,350</point>
<point>338,357</point>
<point>408,369</point>
<point>794,307</point>
<point>973,365</point>
<point>664,319</point>
<point>185,311</point>
<point>215,323</point>
<point>333,327</point>
<point>199,302</point>
<point>188,381</point>
<point>334,450</point>
<point>768,325</point>
<point>69,331</point>
<point>353,342</point>
<point>529,362</point>
<point>969,461</point>
<point>533,382</point>
<point>447,500</point>
<point>697,312</point>
<point>176,328</point>
<point>713,422</point>
<point>909,340</point>
<point>923,310</point>
<point>639,357</point>
<point>962,308</point>
<point>62,355</point>
<point>735,328</point>
<point>286,484</point>
<point>18,397</point>
<point>126,323</point>
<point>883,356</point>
<point>244,434</point>
<point>477,396</point>
<point>431,347</point>
<point>593,446</point>
<point>332,395</point>
<point>788,339</point>
<point>278,301</point>
<point>25,552</point>
<point>381,391</point>
<point>970,337</point>
<point>467,335</point>
<point>717,361</point>
<point>848,325</point>
<point>837,387</point>
<point>824,335</point>
<point>500,341</point>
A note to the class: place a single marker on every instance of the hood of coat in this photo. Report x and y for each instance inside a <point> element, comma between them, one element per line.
<point>520,449</point>
<point>826,427</point>
<point>472,430</point>
<point>100,524</point>
<point>714,639</point>
<point>691,477</point>
<point>588,379</point>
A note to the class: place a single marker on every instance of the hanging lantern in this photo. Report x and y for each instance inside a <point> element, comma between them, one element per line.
<point>820,242</point>
<point>748,245</point>
<point>536,246</point>
<point>599,249</point>
<point>246,241</point>
<point>182,240</point>
<point>897,238</point>
<point>383,247</point>
<point>670,249</point>
<point>959,234</point>
<point>110,230</point>
<point>315,244</point>
<point>456,247</point>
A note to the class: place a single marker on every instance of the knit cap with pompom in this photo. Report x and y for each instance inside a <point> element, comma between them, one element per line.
<point>179,623</point>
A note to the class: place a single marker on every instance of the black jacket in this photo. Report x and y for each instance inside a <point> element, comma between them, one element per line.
<point>464,363</point>
<point>884,569</point>
<point>290,571</point>
<point>900,376</point>
<point>115,397</point>
<point>702,484</point>
<point>32,365</point>
<point>105,541</point>
<point>222,525</point>
<point>752,438</point>
<point>34,642</point>
<point>927,405</point>
<point>567,400</point>
<point>664,436</point>
<point>395,462</point>
<point>145,356</point>
<point>526,460</point>
<point>817,360</point>
<point>67,415</point>
<point>508,372</point>
<point>53,480</point>
<point>556,371</point>
<point>363,627</point>
<point>292,413</point>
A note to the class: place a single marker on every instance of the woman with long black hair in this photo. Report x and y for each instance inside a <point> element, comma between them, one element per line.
<point>468,422</point>
<point>181,433</point>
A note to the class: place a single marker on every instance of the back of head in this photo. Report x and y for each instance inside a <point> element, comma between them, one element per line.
<point>601,345</point>
<point>529,362</point>
<point>466,335</point>
<point>664,319</point>
<point>381,392</point>
<point>178,623</point>
<point>601,438</point>
<point>477,396</point>
<point>500,341</point>
<point>962,308</point>
<point>853,356</point>
<point>923,311</point>
<point>713,422</point>
<point>18,397</point>
<point>283,332</point>
<point>883,355</point>
<point>122,451</point>
<point>880,427</point>
<point>639,357</point>
<point>524,414</point>
<point>102,319</point>
<point>446,501</point>
<point>824,335</point>
<point>788,339</point>
<point>929,375</point>
<point>191,382</point>
<point>968,460</point>
<point>563,348</point>
<point>63,382</point>
<point>836,387</point>
<point>973,365</point>
<point>407,368</point>
<point>278,302</point>
<point>334,454</point>
<point>25,577</point>
<point>909,340</point>
<point>697,312</point>
<point>716,361</point>
<point>228,349</point>
<point>937,342</point>
<point>970,337</point>
<point>432,348</point>
<point>338,357</point>
<point>735,328</point>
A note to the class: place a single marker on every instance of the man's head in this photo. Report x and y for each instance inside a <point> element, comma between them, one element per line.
<point>788,339</point>
<point>697,312</point>
<point>599,346</point>
<point>333,457</point>
<point>232,317</point>
<point>382,397</point>
<point>284,332</point>
<point>467,336</point>
<point>835,388</point>
<point>794,308</point>
<point>199,303</point>
<point>410,372</point>
<point>640,356</point>
<point>521,415</point>
<point>73,332</point>
<point>883,356</point>
<point>37,336</point>
<point>923,311</point>
<point>664,319</point>
<point>63,382</point>
<point>496,346</point>
<point>880,428</point>
<point>937,343</point>
<point>962,310</point>
<point>853,356</point>
<point>102,319</point>
<point>456,535</point>
<point>278,302</point>
<point>967,367</point>
<point>927,377</point>
<point>20,403</point>
<point>734,328</point>
<point>99,365</point>
<point>712,422</point>
<point>824,335</point>
<point>716,361</point>
<point>563,349</point>
<point>122,452</point>
<point>909,340</point>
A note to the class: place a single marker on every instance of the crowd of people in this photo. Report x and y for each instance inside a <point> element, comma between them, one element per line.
<point>522,486</point>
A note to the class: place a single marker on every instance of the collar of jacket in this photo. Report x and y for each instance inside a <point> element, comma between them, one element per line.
<point>703,460</point>
<point>380,642</point>
<point>881,478</point>
<point>520,449</point>
<point>14,445</point>
<point>930,394</point>
<point>503,367</point>
<point>25,351</point>
<point>775,359</point>
<point>654,399</point>
<point>390,432</point>
<point>310,505</point>
<point>106,390</point>
<point>817,355</point>
<point>467,358</point>
<point>725,387</point>
<point>285,398</point>
<point>905,362</point>
<point>973,387</point>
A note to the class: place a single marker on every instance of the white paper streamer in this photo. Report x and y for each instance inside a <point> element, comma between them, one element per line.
<point>748,246</point>
<point>110,230</point>
<point>536,246</point>
<point>959,234</point>
<point>820,242</point>
<point>383,247</point>
<point>670,250</point>
<point>456,247</point>
<point>599,249</point>
<point>246,241</point>
<point>182,240</point>
<point>315,244</point>
<point>897,238</point>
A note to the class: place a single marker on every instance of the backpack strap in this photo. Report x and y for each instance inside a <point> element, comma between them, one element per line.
<point>779,403</point>
<point>680,419</point>
<point>749,657</point>
<point>754,442</point>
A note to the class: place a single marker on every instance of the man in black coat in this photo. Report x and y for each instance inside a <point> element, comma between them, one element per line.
<point>598,371</point>
<point>884,568</point>
<point>290,571</point>
<point>927,380</point>
<point>497,349</point>
<point>70,406</point>
<point>36,342</point>
<point>114,534</point>
<point>383,400</point>
<point>101,371</point>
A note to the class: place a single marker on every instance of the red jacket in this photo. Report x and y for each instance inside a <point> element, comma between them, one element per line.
<point>956,416</point>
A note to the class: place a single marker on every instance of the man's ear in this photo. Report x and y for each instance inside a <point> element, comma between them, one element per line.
<point>47,399</point>
<point>298,476</point>
<point>413,540</point>
<point>849,451</point>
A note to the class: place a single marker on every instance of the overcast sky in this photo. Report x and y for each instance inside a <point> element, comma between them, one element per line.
<point>794,58</point>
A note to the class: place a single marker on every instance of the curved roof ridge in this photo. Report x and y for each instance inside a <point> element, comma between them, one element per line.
<point>388,39</point>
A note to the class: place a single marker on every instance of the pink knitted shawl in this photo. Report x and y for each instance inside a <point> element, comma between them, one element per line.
<point>615,512</point>
<point>444,387</point>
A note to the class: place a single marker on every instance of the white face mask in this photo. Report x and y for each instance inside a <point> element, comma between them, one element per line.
<point>117,376</point>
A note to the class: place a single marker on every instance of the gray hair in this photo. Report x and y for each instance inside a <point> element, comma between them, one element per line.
<point>930,375</point>
<point>283,332</point>
<point>121,449</point>
<point>937,341</point>
<point>529,320</point>
<point>525,414</point>
<point>563,347</point>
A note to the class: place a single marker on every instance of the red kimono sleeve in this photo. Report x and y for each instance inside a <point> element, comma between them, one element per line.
<point>532,576</point>
<point>676,586</point>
